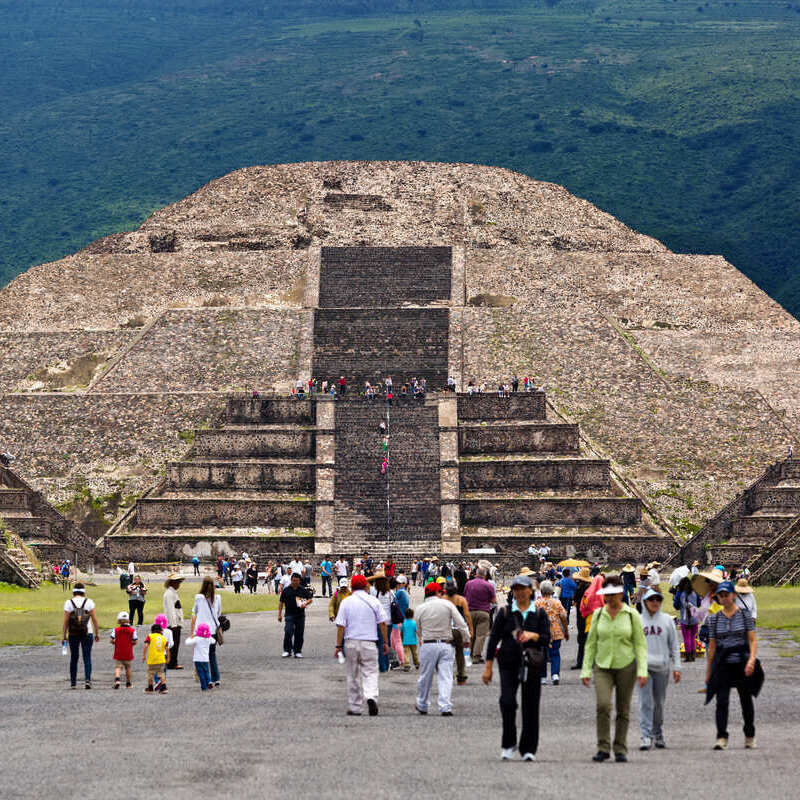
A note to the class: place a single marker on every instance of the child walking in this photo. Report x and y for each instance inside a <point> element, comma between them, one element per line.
<point>156,653</point>
<point>123,637</point>
<point>410,640</point>
<point>202,643</point>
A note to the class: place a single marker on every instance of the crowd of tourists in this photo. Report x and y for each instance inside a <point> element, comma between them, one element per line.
<point>625,639</point>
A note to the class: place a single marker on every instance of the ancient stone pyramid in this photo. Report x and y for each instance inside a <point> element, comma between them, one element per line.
<point>670,379</point>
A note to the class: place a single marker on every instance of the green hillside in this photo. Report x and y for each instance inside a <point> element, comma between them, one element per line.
<point>682,119</point>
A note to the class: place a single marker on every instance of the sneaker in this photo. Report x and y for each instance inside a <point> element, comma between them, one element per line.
<point>285,654</point>
<point>406,669</point>
<point>575,666</point>
<point>116,684</point>
<point>73,686</point>
<point>353,713</point>
<point>660,743</point>
<point>216,685</point>
<point>507,753</point>
<point>162,688</point>
<point>721,743</point>
<point>620,758</point>
<point>419,710</point>
<point>462,681</point>
<point>148,690</point>
<point>646,743</point>
<point>128,685</point>
<point>750,743</point>
<point>447,713</point>
<point>373,707</point>
<point>556,680</point>
<point>528,757</point>
<point>601,755</point>
<point>298,655</point>
<point>88,685</point>
<point>544,681</point>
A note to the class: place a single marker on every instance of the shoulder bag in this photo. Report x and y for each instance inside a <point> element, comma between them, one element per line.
<point>223,623</point>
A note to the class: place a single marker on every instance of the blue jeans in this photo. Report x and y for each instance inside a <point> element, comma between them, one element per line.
<point>567,603</point>
<point>80,645</point>
<point>212,663</point>
<point>383,659</point>
<point>293,632</point>
<point>203,673</point>
<point>554,657</point>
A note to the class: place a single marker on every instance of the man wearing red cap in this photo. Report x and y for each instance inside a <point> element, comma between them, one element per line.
<point>357,623</point>
<point>435,622</point>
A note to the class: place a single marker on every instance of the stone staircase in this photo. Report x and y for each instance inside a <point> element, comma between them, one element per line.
<point>15,562</point>
<point>248,483</point>
<point>523,480</point>
<point>757,528</point>
<point>371,344</point>
<point>397,512</point>
<point>26,513</point>
<point>380,277</point>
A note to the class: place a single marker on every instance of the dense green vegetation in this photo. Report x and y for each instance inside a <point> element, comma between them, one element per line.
<point>680,118</point>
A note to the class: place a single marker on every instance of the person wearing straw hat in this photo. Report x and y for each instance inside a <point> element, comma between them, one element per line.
<point>584,580</point>
<point>628,582</point>
<point>520,634</point>
<point>617,652</point>
<point>174,614</point>
<point>745,597</point>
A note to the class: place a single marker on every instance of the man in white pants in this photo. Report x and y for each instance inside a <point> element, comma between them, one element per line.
<point>357,623</point>
<point>435,622</point>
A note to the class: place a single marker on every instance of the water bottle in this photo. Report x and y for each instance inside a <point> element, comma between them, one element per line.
<point>340,656</point>
<point>467,657</point>
<point>63,648</point>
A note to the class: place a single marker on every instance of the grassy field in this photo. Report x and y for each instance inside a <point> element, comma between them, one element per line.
<point>677,117</point>
<point>34,616</point>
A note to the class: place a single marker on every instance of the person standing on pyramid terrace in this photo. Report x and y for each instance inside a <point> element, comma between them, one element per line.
<point>358,621</point>
<point>294,598</point>
<point>342,383</point>
<point>436,620</point>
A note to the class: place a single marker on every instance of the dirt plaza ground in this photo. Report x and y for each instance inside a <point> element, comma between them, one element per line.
<point>277,728</point>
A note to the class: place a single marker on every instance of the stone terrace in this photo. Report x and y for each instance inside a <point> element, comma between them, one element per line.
<point>213,350</point>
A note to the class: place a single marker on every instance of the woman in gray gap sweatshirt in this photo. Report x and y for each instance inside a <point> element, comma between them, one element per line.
<point>662,648</point>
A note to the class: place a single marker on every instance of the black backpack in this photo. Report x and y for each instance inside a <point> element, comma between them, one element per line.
<point>78,624</point>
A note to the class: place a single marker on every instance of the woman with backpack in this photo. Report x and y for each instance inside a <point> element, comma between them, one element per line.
<point>76,630</point>
<point>520,635</point>
<point>207,609</point>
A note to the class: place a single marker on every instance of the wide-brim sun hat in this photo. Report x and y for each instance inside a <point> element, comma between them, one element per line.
<point>613,588</point>
<point>629,568</point>
<point>526,571</point>
<point>743,586</point>
<point>583,575</point>
<point>173,577</point>
<point>703,581</point>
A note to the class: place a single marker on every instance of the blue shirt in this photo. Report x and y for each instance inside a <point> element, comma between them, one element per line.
<point>325,568</point>
<point>568,587</point>
<point>515,607</point>
<point>409,632</point>
<point>402,599</point>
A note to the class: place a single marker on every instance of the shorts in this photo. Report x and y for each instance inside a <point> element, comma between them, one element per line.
<point>156,669</point>
<point>126,664</point>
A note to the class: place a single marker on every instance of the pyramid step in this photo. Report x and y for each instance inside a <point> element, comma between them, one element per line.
<point>530,437</point>
<point>551,511</point>
<point>566,473</point>
<point>297,473</point>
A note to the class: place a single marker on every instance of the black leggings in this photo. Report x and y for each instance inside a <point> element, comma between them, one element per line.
<point>133,607</point>
<point>531,692</point>
<point>731,675</point>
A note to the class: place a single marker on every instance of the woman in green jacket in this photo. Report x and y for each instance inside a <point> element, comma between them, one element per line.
<point>617,650</point>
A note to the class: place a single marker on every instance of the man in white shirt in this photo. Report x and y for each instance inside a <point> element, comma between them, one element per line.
<point>357,623</point>
<point>286,580</point>
<point>435,622</point>
<point>296,565</point>
<point>341,568</point>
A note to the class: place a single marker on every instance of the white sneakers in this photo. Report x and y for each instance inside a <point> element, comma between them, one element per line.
<point>556,680</point>
<point>285,654</point>
<point>528,757</point>
<point>298,655</point>
<point>507,753</point>
<point>646,743</point>
<point>750,742</point>
<point>722,744</point>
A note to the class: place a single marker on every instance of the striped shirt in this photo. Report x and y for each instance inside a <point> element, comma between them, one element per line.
<point>731,633</point>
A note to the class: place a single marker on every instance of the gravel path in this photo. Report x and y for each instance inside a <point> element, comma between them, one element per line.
<point>277,727</point>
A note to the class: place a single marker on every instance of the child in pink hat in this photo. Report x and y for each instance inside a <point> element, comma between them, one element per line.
<point>202,643</point>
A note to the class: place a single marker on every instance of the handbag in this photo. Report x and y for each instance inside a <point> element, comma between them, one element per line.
<point>223,623</point>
